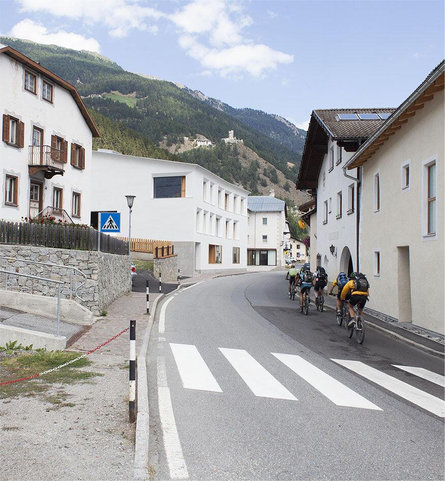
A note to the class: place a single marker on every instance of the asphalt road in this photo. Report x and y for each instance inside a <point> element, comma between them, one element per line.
<point>244,387</point>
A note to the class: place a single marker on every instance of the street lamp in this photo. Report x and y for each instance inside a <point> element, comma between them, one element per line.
<point>130,200</point>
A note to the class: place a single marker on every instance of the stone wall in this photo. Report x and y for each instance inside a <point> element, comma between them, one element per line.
<point>107,275</point>
<point>168,267</point>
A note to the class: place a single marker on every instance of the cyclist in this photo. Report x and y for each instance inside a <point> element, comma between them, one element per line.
<point>341,280</point>
<point>356,292</point>
<point>305,282</point>
<point>320,282</point>
<point>291,275</point>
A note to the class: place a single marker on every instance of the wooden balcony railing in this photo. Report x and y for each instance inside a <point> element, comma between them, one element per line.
<point>43,157</point>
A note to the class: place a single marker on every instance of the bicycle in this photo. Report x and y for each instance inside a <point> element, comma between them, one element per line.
<point>292,291</point>
<point>358,327</point>
<point>343,310</point>
<point>319,301</point>
<point>306,300</point>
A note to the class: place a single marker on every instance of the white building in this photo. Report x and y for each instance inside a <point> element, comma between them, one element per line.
<point>402,247</point>
<point>203,215</point>
<point>266,231</point>
<point>46,143</point>
<point>333,136</point>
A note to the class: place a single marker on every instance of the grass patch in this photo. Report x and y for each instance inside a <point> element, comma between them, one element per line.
<point>125,99</point>
<point>143,265</point>
<point>28,364</point>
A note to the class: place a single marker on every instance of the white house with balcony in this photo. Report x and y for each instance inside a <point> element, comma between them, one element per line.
<point>402,218</point>
<point>46,143</point>
<point>267,231</point>
<point>333,136</point>
<point>203,215</point>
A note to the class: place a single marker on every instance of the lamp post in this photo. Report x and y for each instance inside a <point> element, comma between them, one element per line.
<point>130,200</point>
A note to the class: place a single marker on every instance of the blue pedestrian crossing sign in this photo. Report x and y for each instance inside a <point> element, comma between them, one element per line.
<point>109,222</point>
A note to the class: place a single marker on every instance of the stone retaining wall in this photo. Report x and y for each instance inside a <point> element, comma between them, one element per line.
<point>168,267</point>
<point>107,275</point>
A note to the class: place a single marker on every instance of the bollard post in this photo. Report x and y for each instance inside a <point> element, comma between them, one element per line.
<point>147,291</point>
<point>179,276</point>
<point>132,394</point>
<point>160,283</point>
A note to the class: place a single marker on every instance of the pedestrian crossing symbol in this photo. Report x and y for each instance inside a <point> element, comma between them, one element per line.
<point>110,221</point>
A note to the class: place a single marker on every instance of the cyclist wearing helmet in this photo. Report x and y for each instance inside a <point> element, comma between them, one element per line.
<point>305,282</point>
<point>356,292</point>
<point>341,280</point>
<point>292,275</point>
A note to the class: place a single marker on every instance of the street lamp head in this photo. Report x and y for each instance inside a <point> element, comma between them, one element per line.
<point>130,200</point>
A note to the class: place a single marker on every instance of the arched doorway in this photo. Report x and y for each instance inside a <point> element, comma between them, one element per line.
<point>346,264</point>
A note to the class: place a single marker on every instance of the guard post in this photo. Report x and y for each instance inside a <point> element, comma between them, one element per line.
<point>132,394</point>
<point>147,292</point>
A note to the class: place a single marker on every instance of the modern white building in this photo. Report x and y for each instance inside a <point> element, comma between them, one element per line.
<point>267,231</point>
<point>203,215</point>
<point>46,143</point>
<point>333,136</point>
<point>402,214</point>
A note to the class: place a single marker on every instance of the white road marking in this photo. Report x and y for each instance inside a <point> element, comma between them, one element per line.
<point>402,389</point>
<point>258,379</point>
<point>172,444</point>
<point>424,373</point>
<point>162,316</point>
<point>192,368</point>
<point>334,390</point>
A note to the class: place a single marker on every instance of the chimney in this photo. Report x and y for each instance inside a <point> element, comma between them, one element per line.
<point>272,193</point>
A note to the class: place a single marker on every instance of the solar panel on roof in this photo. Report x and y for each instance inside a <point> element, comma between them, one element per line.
<point>384,115</point>
<point>368,116</point>
<point>347,116</point>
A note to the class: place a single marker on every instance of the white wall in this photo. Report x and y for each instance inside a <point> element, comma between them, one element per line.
<point>173,219</point>
<point>62,118</point>
<point>399,223</point>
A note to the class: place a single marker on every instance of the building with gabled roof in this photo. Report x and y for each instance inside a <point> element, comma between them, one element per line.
<point>402,213</point>
<point>332,138</point>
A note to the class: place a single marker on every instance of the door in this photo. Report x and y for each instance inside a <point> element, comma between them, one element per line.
<point>35,199</point>
<point>264,258</point>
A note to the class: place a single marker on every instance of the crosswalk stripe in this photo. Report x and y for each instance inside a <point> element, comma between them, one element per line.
<point>334,390</point>
<point>402,389</point>
<point>257,378</point>
<point>424,374</point>
<point>192,368</point>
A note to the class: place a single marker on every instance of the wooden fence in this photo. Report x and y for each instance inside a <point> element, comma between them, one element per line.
<point>158,248</point>
<point>61,236</point>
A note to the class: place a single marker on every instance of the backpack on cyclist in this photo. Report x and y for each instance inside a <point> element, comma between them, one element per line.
<point>321,274</point>
<point>342,280</point>
<point>361,284</point>
<point>308,277</point>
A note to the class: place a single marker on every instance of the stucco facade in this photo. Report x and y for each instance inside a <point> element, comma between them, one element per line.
<point>206,221</point>
<point>405,263</point>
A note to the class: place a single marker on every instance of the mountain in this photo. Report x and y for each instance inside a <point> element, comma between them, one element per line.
<point>141,113</point>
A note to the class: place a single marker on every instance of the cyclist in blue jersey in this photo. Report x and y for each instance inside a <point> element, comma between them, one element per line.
<point>306,279</point>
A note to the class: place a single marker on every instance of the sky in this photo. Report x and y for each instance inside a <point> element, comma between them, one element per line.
<point>285,57</point>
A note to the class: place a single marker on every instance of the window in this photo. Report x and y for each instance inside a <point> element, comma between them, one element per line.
<point>30,82</point>
<point>376,192</point>
<point>351,198</point>
<point>325,212</point>
<point>235,230</point>
<point>204,190</point>
<point>57,199</point>
<point>11,190</point>
<point>47,91</point>
<point>339,204</point>
<point>168,187</point>
<point>331,159</point>
<point>220,203</point>
<point>324,179</point>
<point>226,201</point>
<point>77,156</point>
<point>264,238</point>
<point>298,246</point>
<point>227,229</point>
<point>218,227</point>
<point>339,155</point>
<point>58,149</point>
<point>405,176</point>
<point>431,199</point>
<point>215,254</point>
<point>76,204</point>
<point>377,263</point>
<point>235,255</point>
<point>264,220</point>
<point>13,131</point>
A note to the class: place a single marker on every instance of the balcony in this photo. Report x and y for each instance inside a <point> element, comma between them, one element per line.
<point>46,159</point>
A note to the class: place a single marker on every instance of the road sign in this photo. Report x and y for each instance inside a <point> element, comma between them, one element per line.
<point>109,222</point>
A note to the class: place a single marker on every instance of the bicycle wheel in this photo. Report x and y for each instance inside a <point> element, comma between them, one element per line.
<point>350,329</point>
<point>306,304</point>
<point>360,330</point>
<point>293,292</point>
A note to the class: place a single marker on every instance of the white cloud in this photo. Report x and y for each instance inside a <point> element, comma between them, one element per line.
<point>30,30</point>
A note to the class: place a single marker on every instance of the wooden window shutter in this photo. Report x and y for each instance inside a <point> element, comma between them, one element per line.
<point>5,128</point>
<point>183,186</point>
<point>54,155</point>
<point>82,158</point>
<point>73,153</point>
<point>65,151</point>
<point>21,134</point>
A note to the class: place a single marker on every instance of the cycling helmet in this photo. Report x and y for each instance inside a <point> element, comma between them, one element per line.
<point>352,275</point>
<point>306,267</point>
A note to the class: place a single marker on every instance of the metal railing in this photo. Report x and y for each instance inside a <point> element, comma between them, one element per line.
<point>55,212</point>
<point>44,279</point>
<point>46,156</point>
<point>72,271</point>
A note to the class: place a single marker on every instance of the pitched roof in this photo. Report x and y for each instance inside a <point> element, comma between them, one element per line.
<point>327,124</point>
<point>56,79</point>
<point>433,83</point>
<point>265,203</point>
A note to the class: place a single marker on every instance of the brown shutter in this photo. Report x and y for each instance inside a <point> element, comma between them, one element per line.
<point>82,158</point>
<point>65,151</point>
<point>54,155</point>
<point>5,128</point>
<point>21,134</point>
<point>73,152</point>
<point>183,186</point>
